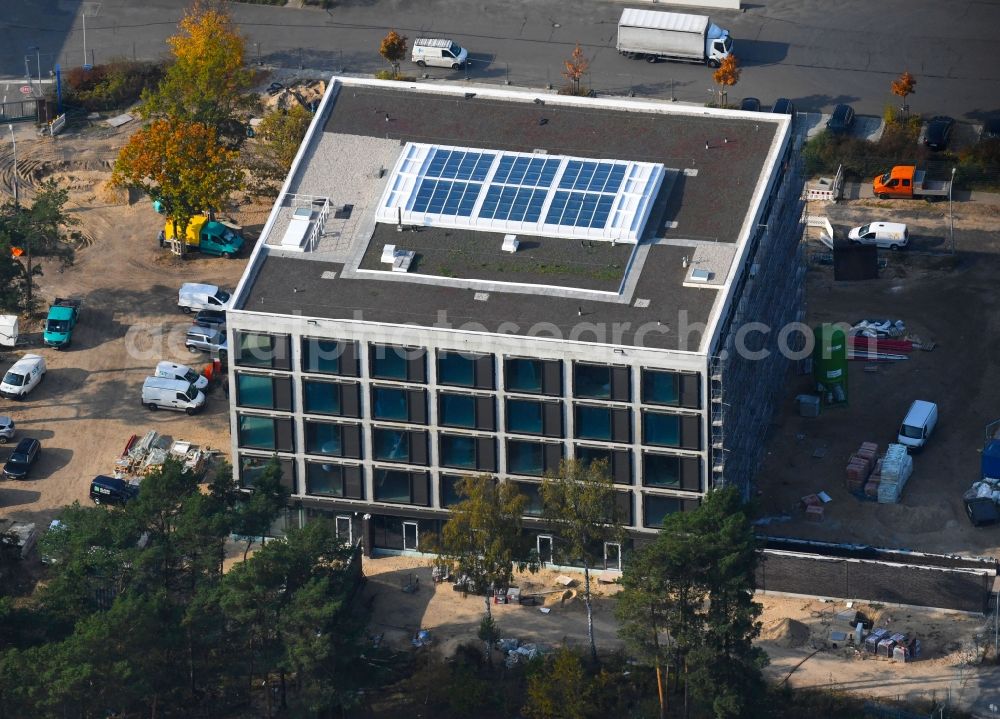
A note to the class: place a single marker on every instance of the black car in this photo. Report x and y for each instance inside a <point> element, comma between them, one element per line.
<point>938,132</point>
<point>842,119</point>
<point>111,490</point>
<point>216,319</point>
<point>751,104</point>
<point>24,455</point>
<point>783,106</point>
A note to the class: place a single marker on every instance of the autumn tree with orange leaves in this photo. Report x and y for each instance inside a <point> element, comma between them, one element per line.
<point>576,68</point>
<point>726,76</point>
<point>182,165</point>
<point>393,50</point>
<point>206,82</point>
<point>903,86</point>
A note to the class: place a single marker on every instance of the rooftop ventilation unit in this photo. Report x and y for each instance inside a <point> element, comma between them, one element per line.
<point>399,259</point>
<point>700,276</point>
<point>510,243</point>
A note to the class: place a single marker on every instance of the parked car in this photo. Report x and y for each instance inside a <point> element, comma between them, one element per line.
<point>24,455</point>
<point>211,318</point>
<point>194,296</point>
<point>172,370</point>
<point>783,106</point>
<point>938,132</point>
<point>842,119</point>
<point>206,339</point>
<point>112,490</point>
<point>6,430</point>
<point>750,104</point>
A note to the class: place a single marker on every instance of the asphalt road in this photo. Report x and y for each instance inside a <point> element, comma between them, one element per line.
<point>817,52</point>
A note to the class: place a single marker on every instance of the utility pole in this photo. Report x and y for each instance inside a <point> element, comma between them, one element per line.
<point>951,213</point>
<point>14,143</point>
<point>83,16</point>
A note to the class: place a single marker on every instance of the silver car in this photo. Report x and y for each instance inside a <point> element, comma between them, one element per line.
<point>6,430</point>
<point>205,339</point>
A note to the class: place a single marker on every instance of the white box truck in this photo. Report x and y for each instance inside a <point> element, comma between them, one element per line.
<point>655,35</point>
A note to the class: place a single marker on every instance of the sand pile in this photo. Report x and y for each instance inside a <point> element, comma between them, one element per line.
<point>785,632</point>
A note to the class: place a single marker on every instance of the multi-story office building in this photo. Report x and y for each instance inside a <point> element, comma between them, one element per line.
<point>463,280</point>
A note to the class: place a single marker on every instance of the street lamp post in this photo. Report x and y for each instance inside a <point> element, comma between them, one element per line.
<point>951,213</point>
<point>14,143</point>
<point>38,62</point>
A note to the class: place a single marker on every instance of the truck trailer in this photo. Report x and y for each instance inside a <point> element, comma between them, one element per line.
<point>653,35</point>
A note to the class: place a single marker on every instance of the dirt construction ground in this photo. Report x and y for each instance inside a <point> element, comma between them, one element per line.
<point>950,301</point>
<point>89,404</point>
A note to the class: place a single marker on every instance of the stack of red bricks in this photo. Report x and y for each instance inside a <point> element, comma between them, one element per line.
<point>813,506</point>
<point>871,486</point>
<point>860,466</point>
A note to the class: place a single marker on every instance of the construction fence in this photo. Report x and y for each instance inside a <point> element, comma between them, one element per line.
<point>871,574</point>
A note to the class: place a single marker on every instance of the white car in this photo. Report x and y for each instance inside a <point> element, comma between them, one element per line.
<point>887,235</point>
<point>25,374</point>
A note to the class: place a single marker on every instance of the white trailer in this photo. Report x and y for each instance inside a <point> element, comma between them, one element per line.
<point>653,35</point>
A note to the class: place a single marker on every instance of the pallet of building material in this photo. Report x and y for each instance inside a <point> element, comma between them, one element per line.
<point>871,446</point>
<point>811,500</point>
<point>858,468</point>
<point>875,356</point>
<point>855,486</point>
<point>871,488</point>
<point>872,640</point>
<point>879,345</point>
<point>885,647</point>
<point>814,513</point>
<point>889,492</point>
<point>868,455</point>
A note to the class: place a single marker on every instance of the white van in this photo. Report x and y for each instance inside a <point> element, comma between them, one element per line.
<point>171,394</point>
<point>172,370</point>
<point>23,376</point>
<point>920,421</point>
<point>439,52</point>
<point>887,235</point>
<point>195,296</point>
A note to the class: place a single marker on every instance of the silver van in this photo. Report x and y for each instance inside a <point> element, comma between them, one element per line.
<point>194,296</point>
<point>25,374</point>
<point>438,52</point>
<point>172,370</point>
<point>917,426</point>
<point>175,394</point>
<point>887,235</point>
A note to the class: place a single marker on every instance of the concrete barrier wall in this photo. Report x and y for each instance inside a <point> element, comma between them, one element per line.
<point>921,584</point>
<point>717,4</point>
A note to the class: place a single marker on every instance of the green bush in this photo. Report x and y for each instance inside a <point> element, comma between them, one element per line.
<point>112,86</point>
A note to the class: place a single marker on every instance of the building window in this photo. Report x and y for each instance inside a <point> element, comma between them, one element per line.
<point>273,433</point>
<point>532,491</point>
<point>533,376</point>
<point>401,487</point>
<point>251,468</point>
<point>610,424</point>
<point>448,490</point>
<point>395,404</point>
<point>671,471</point>
<point>464,452</point>
<point>399,445</point>
<point>335,398</point>
<point>670,388</point>
<point>467,411</point>
<point>404,364</point>
<point>528,416</point>
<point>262,392</point>
<point>655,509</point>
<point>660,429</point>
<point>533,458</point>
<point>255,349</point>
<point>460,369</point>
<point>618,461</point>
<point>594,381</point>
<point>330,356</point>
<point>325,479</point>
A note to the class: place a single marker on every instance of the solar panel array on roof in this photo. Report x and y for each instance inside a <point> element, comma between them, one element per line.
<point>517,192</point>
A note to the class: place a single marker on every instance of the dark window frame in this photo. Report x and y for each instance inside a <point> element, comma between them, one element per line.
<point>276,395</point>
<point>414,362</point>
<point>351,444</point>
<point>347,353</point>
<point>549,461</point>
<point>280,354</point>
<point>418,496</point>
<point>351,479</point>
<point>551,417</point>
<point>414,399</point>
<point>348,399</point>
<point>549,376</point>
<point>484,452</point>
<point>483,369</point>
<point>417,452</point>
<point>282,432</point>
<point>287,464</point>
